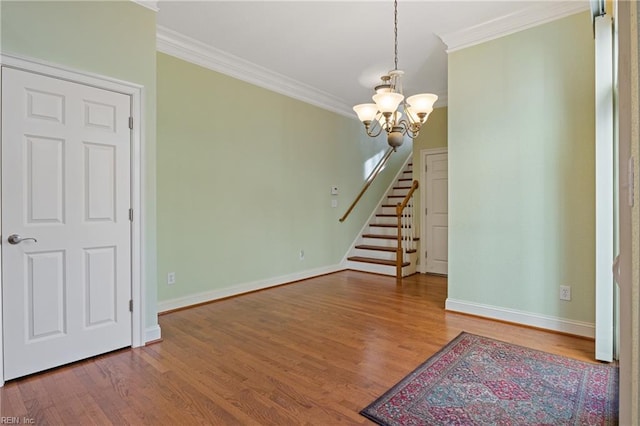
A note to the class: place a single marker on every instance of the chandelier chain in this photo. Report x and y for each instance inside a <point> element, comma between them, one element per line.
<point>395,32</point>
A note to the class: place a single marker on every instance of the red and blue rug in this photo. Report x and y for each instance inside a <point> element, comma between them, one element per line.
<point>475,380</point>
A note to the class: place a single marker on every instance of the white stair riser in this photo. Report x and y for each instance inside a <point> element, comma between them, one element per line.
<point>376,254</point>
<point>388,210</point>
<point>385,220</point>
<point>378,242</point>
<point>381,230</point>
<point>380,269</point>
<point>402,192</point>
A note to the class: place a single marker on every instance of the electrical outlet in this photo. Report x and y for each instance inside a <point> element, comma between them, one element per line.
<point>301,254</point>
<point>171,278</point>
<point>565,292</point>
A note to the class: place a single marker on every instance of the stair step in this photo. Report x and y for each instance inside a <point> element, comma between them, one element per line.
<point>405,180</point>
<point>376,248</point>
<point>401,187</point>
<point>375,261</point>
<point>385,215</point>
<point>387,225</point>
<point>385,237</point>
<point>396,196</point>
<point>382,237</point>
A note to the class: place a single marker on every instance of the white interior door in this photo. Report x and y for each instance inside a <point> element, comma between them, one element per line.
<point>65,183</point>
<point>436,199</point>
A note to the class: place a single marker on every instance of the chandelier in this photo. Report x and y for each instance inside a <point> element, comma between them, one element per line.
<point>385,114</point>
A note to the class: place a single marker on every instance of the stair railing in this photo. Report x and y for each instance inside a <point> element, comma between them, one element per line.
<point>406,231</point>
<point>372,176</point>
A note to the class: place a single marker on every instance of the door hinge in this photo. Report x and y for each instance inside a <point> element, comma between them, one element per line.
<point>426,211</point>
<point>130,305</point>
<point>426,254</point>
<point>131,123</point>
<point>130,215</point>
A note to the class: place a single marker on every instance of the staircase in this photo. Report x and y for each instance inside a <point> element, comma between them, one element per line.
<point>375,250</point>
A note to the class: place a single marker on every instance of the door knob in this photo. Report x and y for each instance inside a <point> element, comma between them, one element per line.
<point>17,239</point>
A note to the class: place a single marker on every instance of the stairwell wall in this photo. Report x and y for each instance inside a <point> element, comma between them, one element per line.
<point>521,176</point>
<point>244,179</point>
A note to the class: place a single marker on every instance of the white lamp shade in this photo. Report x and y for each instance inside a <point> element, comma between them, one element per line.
<point>422,102</point>
<point>387,102</point>
<point>413,115</point>
<point>366,112</point>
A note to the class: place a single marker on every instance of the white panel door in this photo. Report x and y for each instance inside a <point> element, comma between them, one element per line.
<point>437,214</point>
<point>65,184</point>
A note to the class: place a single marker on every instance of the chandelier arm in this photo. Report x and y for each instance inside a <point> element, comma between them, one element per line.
<point>404,125</point>
<point>374,130</point>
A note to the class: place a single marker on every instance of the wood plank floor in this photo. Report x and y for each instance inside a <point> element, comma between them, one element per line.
<point>313,352</point>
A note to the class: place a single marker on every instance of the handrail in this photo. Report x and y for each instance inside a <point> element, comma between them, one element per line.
<point>408,224</point>
<point>370,178</point>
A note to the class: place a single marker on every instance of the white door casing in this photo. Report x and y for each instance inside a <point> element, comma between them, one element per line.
<point>434,225</point>
<point>604,88</point>
<point>140,334</point>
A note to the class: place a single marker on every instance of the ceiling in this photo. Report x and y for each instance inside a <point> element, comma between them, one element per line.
<point>332,53</point>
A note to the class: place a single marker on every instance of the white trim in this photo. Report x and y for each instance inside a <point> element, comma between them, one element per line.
<point>535,15</point>
<point>234,290</point>
<point>604,205</point>
<point>152,333</point>
<point>349,265</point>
<point>138,249</point>
<point>563,325</point>
<point>175,44</point>
<point>423,200</point>
<point>149,4</point>
<point>1,247</point>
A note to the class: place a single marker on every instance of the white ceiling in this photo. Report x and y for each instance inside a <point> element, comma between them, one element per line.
<point>332,53</point>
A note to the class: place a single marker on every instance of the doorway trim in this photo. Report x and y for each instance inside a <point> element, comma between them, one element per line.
<point>138,249</point>
<point>423,201</point>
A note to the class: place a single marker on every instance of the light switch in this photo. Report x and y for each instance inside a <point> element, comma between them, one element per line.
<point>334,203</point>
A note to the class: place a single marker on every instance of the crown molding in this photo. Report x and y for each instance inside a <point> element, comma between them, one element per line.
<point>194,51</point>
<point>532,16</point>
<point>149,4</point>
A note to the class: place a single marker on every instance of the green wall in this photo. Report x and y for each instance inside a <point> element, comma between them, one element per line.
<point>521,171</point>
<point>244,178</point>
<point>115,39</point>
<point>434,133</point>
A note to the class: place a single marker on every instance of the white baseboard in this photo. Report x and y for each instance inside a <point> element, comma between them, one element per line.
<point>563,325</point>
<point>152,333</point>
<point>208,296</point>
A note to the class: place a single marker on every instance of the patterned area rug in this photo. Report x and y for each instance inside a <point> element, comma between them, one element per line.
<point>479,381</point>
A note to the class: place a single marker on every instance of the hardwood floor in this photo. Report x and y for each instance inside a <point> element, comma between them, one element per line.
<point>314,352</point>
